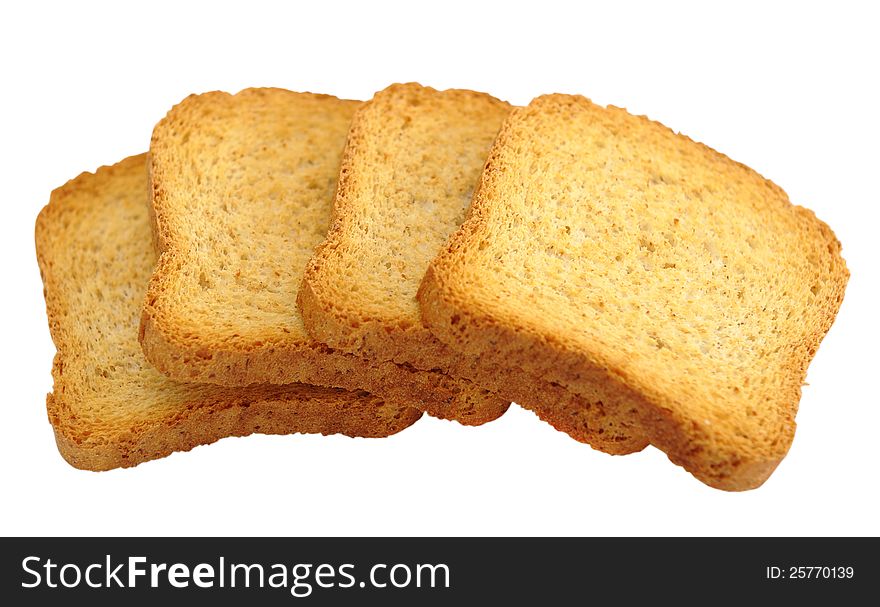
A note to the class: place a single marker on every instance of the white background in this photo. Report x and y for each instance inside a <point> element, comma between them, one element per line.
<point>790,90</point>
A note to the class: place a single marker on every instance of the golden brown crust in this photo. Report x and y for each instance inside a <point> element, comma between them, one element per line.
<point>730,440</point>
<point>438,394</point>
<point>207,423</point>
<point>109,408</point>
<point>247,351</point>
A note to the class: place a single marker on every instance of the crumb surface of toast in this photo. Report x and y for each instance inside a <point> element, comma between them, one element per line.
<point>408,171</point>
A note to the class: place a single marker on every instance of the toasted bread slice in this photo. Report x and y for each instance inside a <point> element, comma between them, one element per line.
<point>109,407</point>
<point>632,265</point>
<point>242,189</point>
<point>412,160</point>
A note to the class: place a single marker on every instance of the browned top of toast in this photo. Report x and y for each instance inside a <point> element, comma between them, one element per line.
<point>601,243</point>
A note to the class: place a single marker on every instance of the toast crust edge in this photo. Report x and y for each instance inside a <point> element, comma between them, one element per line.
<point>209,424</point>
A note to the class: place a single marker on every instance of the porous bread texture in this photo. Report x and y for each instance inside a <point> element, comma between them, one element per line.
<point>411,162</point>
<point>109,407</point>
<point>242,188</point>
<point>619,259</point>
<point>407,175</point>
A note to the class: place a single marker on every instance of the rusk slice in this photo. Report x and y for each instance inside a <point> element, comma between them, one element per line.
<point>109,407</point>
<point>632,265</point>
<point>242,189</point>
<point>412,160</point>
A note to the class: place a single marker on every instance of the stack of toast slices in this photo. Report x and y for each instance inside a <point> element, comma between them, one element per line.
<point>287,262</point>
